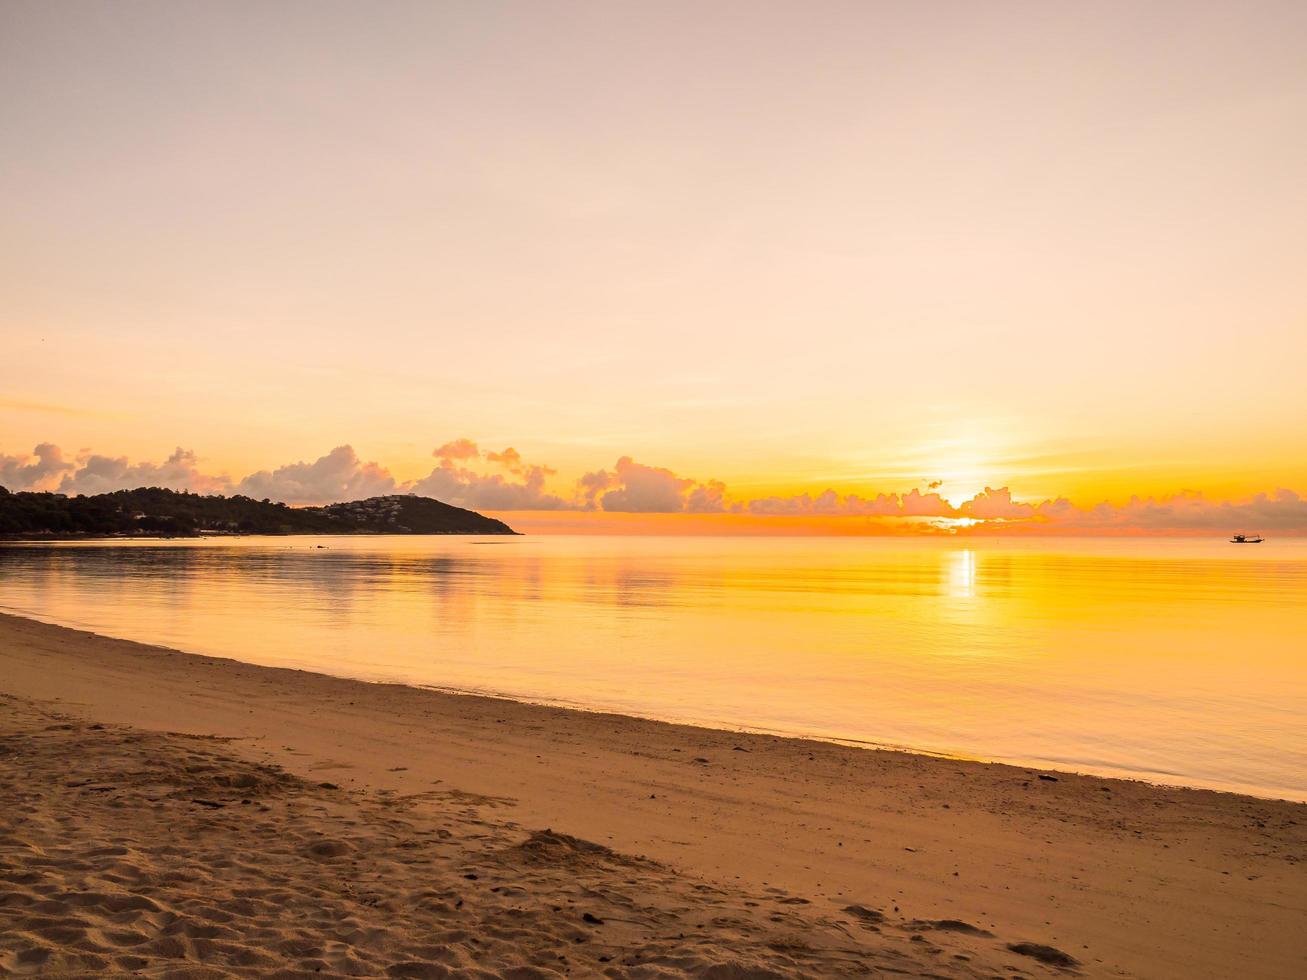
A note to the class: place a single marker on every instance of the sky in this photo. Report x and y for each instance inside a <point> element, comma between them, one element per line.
<point>684,258</point>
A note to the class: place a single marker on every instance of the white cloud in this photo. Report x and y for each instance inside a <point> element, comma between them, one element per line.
<point>645,489</point>
<point>633,487</point>
<point>453,481</point>
<point>338,476</point>
<point>991,504</point>
<point>42,470</point>
<point>636,488</point>
<point>103,474</point>
<point>1283,510</point>
<point>829,503</point>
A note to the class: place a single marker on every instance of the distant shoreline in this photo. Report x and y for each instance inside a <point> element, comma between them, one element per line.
<point>160,512</point>
<point>203,535</point>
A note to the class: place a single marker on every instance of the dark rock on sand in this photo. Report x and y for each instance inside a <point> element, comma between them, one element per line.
<point>1045,954</point>
<point>864,913</point>
<point>950,925</point>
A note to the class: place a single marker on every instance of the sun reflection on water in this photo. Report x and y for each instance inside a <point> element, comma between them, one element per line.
<point>962,574</point>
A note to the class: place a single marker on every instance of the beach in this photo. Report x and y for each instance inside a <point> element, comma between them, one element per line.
<point>169,814</point>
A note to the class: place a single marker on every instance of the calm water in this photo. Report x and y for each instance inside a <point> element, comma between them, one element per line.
<point>1178,661</point>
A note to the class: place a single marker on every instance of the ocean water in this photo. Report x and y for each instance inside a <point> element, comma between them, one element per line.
<point>1177,661</point>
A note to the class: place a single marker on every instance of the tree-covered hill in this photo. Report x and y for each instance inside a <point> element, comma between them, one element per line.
<point>155,511</point>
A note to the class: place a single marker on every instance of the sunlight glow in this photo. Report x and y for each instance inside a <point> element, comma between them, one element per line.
<point>962,574</point>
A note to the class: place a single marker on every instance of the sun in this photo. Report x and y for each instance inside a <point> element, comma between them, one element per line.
<point>961,464</point>
<point>960,481</point>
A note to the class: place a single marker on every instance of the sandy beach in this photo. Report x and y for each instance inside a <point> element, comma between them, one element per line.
<point>167,814</point>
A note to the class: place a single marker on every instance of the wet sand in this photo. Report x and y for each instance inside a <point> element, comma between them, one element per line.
<point>396,831</point>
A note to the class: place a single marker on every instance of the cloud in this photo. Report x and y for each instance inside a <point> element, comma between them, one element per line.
<point>20,405</point>
<point>918,504</point>
<point>457,449</point>
<point>42,470</point>
<point>49,470</point>
<point>104,474</point>
<point>635,488</point>
<point>707,498</point>
<point>504,481</point>
<point>455,483</point>
<point>509,459</point>
<point>991,504</point>
<point>93,473</point>
<point>1284,510</point>
<point>644,489</point>
<point>591,484</point>
<point>338,476</point>
<point>828,503</point>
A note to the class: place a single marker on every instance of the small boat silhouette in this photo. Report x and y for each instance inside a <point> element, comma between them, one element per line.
<point>1247,539</point>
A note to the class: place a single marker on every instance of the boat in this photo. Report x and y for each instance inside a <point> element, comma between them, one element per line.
<point>1247,539</point>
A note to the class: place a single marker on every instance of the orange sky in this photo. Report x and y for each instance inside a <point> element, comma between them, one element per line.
<point>869,246</point>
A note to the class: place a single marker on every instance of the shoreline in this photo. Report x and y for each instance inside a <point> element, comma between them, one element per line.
<point>1116,773</point>
<point>210,535</point>
<point>1130,878</point>
<point>1170,781</point>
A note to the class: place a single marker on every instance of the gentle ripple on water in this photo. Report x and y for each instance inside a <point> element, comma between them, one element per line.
<point>1176,660</point>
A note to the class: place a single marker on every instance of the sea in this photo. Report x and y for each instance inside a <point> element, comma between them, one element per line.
<point>1177,661</point>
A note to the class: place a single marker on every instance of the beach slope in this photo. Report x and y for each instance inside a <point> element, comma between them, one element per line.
<point>164,810</point>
